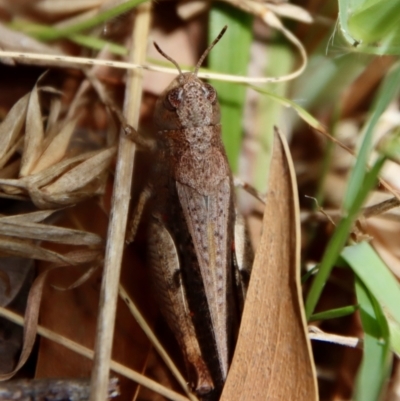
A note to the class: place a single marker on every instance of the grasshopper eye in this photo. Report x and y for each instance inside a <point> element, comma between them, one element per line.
<point>173,99</point>
<point>210,93</point>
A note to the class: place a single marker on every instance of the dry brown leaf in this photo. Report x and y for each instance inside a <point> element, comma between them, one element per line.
<point>68,181</point>
<point>53,7</point>
<point>34,134</point>
<point>14,272</point>
<point>33,217</point>
<point>16,276</point>
<point>27,249</point>
<point>81,175</point>
<point>10,129</point>
<point>53,117</point>
<point>46,232</point>
<point>31,322</point>
<point>57,148</point>
<point>272,360</point>
<point>43,178</point>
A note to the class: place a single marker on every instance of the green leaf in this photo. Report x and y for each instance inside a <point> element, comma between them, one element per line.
<point>371,26</point>
<point>360,183</point>
<point>376,362</point>
<point>334,313</point>
<point>339,238</point>
<point>387,91</point>
<point>230,56</point>
<point>302,113</point>
<point>376,276</point>
<point>49,33</point>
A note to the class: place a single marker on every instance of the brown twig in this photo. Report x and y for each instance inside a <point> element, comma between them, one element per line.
<point>52,390</point>
<point>119,214</point>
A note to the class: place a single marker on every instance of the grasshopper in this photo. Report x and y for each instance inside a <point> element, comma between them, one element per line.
<point>197,239</point>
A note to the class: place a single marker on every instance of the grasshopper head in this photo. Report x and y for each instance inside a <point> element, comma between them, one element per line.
<point>188,101</point>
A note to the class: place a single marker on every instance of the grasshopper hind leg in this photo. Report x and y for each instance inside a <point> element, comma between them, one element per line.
<point>167,280</point>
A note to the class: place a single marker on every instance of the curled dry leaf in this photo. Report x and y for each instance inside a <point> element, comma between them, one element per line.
<point>53,7</point>
<point>31,322</point>
<point>85,256</point>
<point>34,217</point>
<point>34,134</point>
<point>48,188</point>
<point>46,174</point>
<point>28,249</point>
<point>14,272</point>
<point>45,232</point>
<point>272,360</point>
<point>10,129</point>
<point>75,184</point>
<point>16,276</point>
<point>77,178</point>
<point>57,148</point>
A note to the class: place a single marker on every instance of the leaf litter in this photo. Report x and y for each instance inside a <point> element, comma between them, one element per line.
<point>54,178</point>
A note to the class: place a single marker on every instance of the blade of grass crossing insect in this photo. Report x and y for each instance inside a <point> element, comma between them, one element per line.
<point>376,362</point>
<point>232,56</point>
<point>339,238</point>
<point>387,92</point>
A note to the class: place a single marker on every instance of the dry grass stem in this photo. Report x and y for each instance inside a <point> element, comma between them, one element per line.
<point>155,342</point>
<point>88,353</point>
<point>316,334</point>
<point>119,213</point>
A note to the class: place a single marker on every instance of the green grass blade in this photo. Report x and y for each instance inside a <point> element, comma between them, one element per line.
<point>302,113</point>
<point>376,362</point>
<point>230,56</point>
<point>394,328</point>
<point>339,238</point>
<point>330,71</point>
<point>98,44</point>
<point>48,33</point>
<point>376,276</point>
<point>387,91</point>
<point>334,313</point>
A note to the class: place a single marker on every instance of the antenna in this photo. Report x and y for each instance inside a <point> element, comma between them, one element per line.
<point>209,48</point>
<point>168,58</point>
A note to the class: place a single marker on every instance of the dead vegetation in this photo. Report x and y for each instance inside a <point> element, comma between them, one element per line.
<point>65,190</point>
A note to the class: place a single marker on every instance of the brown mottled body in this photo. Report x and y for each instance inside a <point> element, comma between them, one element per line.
<point>194,201</point>
<point>192,230</point>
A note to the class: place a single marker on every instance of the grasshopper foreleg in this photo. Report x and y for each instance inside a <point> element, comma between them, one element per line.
<point>133,223</point>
